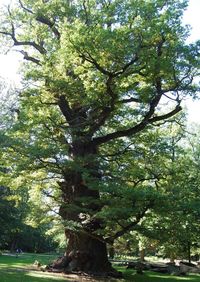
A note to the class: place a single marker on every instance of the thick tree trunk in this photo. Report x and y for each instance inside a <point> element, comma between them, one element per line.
<point>86,252</point>
<point>85,255</point>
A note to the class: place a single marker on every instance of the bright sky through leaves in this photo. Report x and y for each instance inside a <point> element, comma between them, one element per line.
<point>192,18</point>
<point>9,63</point>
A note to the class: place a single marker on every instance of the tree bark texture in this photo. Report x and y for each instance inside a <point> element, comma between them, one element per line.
<point>86,252</point>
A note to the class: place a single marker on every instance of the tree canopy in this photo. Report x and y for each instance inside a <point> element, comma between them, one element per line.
<point>99,77</point>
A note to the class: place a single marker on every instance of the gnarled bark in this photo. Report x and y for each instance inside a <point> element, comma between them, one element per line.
<point>85,255</point>
<point>86,251</point>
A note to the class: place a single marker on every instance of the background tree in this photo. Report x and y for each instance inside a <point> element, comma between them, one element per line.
<point>7,212</point>
<point>174,222</point>
<point>98,73</point>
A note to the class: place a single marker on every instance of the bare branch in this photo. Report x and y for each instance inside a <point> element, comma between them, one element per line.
<point>26,9</point>
<point>86,12</point>
<point>166,116</point>
<point>29,58</point>
<point>129,100</point>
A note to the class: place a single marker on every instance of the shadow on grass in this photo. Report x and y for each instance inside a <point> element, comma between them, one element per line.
<point>19,276</point>
<point>15,269</point>
<point>130,275</point>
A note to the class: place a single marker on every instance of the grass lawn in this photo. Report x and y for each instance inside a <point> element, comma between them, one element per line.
<point>130,275</point>
<point>14,269</point>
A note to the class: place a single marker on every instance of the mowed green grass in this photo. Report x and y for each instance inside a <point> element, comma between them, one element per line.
<point>14,269</point>
<point>130,275</point>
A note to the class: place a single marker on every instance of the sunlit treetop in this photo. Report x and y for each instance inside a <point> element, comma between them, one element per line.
<point>110,67</point>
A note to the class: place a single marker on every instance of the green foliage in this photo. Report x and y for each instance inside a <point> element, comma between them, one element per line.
<point>101,76</point>
<point>16,231</point>
<point>174,222</point>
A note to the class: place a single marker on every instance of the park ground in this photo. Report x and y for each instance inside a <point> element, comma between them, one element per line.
<point>23,269</point>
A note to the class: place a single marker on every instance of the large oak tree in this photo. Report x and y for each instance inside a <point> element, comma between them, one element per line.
<point>96,74</point>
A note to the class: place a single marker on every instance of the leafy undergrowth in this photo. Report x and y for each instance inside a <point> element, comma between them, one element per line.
<point>148,276</point>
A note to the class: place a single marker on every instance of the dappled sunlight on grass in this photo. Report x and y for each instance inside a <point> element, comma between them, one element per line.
<point>44,275</point>
<point>24,259</point>
<point>17,269</point>
<point>154,277</point>
<point>2,265</point>
<point>175,278</point>
<point>27,276</point>
<point>148,276</point>
<point>20,269</point>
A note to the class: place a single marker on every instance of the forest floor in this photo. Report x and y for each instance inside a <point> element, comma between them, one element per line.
<point>24,269</point>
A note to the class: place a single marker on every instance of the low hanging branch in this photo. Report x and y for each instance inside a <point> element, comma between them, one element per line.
<point>130,226</point>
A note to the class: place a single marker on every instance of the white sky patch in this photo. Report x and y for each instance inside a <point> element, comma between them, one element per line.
<point>192,17</point>
<point>9,67</point>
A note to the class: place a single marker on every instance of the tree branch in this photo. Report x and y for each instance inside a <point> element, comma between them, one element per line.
<point>137,128</point>
<point>49,23</point>
<point>65,108</point>
<point>29,58</point>
<point>26,9</point>
<point>23,43</point>
<point>129,100</point>
<point>130,226</point>
<point>107,110</point>
<point>148,117</point>
<point>86,13</point>
<point>166,116</point>
<point>91,60</point>
<point>44,20</point>
<point>125,67</point>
